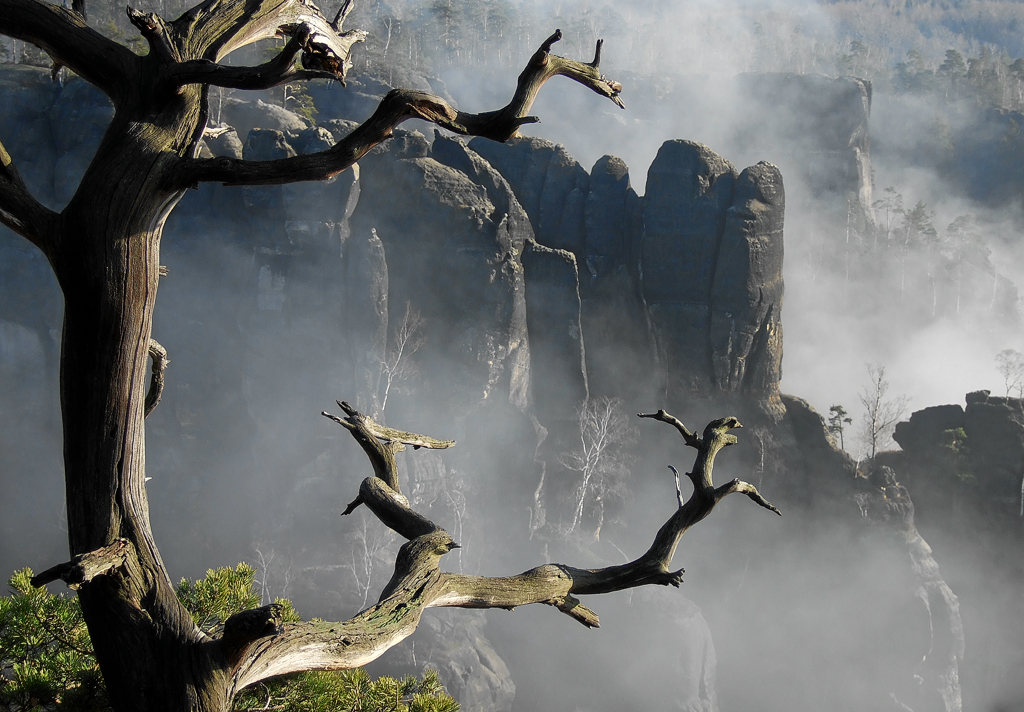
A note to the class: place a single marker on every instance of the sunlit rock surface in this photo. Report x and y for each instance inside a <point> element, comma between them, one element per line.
<point>550,184</point>
<point>435,222</point>
<point>711,271</point>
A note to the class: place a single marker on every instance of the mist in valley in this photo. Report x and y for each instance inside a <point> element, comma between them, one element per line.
<point>268,315</point>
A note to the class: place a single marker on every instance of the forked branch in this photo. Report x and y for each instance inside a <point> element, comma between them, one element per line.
<point>381,443</point>
<point>279,70</point>
<point>216,28</point>
<point>63,34</point>
<point>418,583</point>
<point>157,34</point>
<point>398,106</point>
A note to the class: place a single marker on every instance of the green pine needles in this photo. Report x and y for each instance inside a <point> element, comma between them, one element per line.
<point>47,661</point>
<point>45,652</point>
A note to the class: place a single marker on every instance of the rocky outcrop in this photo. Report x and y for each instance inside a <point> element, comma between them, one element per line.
<point>619,341</point>
<point>558,354</point>
<point>550,184</point>
<point>819,473</point>
<point>434,220</point>
<point>995,435</point>
<point>746,295</point>
<point>984,459</point>
<point>924,431</point>
<point>611,218</point>
<point>689,190</point>
<point>963,467</point>
<point>711,273</point>
<point>933,683</point>
<point>694,269</point>
<point>245,116</point>
<point>918,631</point>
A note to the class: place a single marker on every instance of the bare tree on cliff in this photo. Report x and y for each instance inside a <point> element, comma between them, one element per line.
<point>880,413</point>
<point>104,247</point>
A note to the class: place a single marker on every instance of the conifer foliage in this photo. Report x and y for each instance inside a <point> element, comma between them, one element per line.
<point>47,660</point>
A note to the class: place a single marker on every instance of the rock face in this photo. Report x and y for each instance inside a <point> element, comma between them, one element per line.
<point>822,123</point>
<point>819,472</point>
<point>434,220</point>
<point>989,460</point>
<point>746,296</point>
<point>551,186</point>
<point>691,274</point>
<point>915,614</point>
<point>934,683</point>
<point>995,433</point>
<point>963,466</point>
<point>557,350</point>
<point>711,272</point>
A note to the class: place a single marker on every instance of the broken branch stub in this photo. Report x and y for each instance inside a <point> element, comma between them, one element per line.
<point>85,567</point>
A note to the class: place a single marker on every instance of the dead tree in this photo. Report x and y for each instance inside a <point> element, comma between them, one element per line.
<point>418,583</point>
<point>104,248</point>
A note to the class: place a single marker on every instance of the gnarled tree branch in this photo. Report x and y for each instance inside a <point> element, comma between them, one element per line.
<point>279,70</point>
<point>396,107</point>
<point>503,124</point>
<point>218,27</point>
<point>63,34</point>
<point>418,583</point>
<point>156,31</point>
<point>689,438</point>
<point>20,211</point>
<point>381,443</point>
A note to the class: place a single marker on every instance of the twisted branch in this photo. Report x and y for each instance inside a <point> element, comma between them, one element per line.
<point>418,583</point>
<point>63,34</point>
<point>396,107</point>
<point>216,28</point>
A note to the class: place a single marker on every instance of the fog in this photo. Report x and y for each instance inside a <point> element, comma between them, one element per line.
<point>817,610</point>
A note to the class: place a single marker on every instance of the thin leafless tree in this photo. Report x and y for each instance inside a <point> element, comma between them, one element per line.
<point>1010,364</point>
<point>881,413</point>
<point>599,460</point>
<point>397,364</point>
